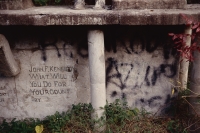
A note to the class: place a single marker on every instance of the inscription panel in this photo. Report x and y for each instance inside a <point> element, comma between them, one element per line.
<point>41,88</point>
<point>49,81</point>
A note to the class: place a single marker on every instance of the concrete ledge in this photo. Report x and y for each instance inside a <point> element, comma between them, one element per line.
<point>44,16</point>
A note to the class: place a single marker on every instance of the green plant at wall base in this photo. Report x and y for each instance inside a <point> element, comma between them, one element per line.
<point>17,126</point>
<point>119,119</point>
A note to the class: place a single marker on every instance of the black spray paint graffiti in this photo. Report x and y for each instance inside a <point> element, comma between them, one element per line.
<point>150,102</point>
<point>114,64</point>
<point>122,82</point>
<point>42,44</point>
<point>82,47</point>
<point>138,41</point>
<point>151,76</point>
<point>168,70</point>
<point>70,54</point>
<point>134,47</point>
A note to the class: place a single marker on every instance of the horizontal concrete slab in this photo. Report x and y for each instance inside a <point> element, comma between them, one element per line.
<point>62,15</point>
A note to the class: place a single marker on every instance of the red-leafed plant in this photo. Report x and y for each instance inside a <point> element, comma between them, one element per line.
<point>180,39</point>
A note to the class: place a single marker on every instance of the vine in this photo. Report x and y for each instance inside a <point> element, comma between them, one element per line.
<point>180,39</point>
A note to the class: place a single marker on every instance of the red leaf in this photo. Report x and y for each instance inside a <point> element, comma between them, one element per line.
<point>177,42</point>
<point>188,20</point>
<point>175,37</point>
<point>193,37</point>
<point>198,30</point>
<point>171,34</point>
<point>194,44</point>
<point>195,26</point>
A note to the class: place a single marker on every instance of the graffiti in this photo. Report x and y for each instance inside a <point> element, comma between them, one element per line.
<point>65,51</point>
<point>147,73</point>
<point>42,44</point>
<point>149,102</point>
<point>2,100</point>
<point>82,49</point>
<point>134,81</point>
<point>130,77</point>
<point>168,70</point>
<point>113,64</point>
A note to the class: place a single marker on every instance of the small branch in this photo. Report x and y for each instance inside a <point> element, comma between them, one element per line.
<point>191,125</point>
<point>191,106</point>
<point>191,96</point>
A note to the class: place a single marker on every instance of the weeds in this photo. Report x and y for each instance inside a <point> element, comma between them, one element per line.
<point>119,119</point>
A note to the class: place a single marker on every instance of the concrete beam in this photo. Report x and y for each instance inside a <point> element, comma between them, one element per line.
<point>43,16</point>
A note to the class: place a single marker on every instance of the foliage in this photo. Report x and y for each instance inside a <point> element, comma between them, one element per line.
<point>119,119</point>
<point>180,39</point>
<point>51,2</point>
<point>17,126</point>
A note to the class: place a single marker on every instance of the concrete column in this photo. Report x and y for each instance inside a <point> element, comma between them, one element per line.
<point>8,66</point>
<point>99,4</point>
<point>79,4</point>
<point>97,71</point>
<point>184,64</point>
<point>195,81</point>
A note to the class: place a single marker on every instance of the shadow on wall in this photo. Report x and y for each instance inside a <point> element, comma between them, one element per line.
<point>193,1</point>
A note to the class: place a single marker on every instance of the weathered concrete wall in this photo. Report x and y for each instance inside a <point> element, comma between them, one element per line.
<point>140,62</point>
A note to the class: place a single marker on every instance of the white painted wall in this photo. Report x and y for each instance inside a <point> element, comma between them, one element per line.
<point>138,68</point>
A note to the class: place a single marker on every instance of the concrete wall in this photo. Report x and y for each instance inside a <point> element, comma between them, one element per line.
<point>140,63</point>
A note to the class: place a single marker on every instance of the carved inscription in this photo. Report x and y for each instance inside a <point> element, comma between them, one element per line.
<point>59,20</point>
<point>7,93</point>
<point>49,81</point>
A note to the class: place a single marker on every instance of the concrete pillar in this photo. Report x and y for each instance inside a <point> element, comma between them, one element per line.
<point>97,71</point>
<point>99,4</point>
<point>184,64</point>
<point>195,88</point>
<point>8,65</point>
<point>79,4</point>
